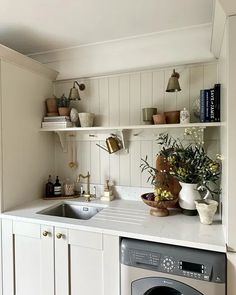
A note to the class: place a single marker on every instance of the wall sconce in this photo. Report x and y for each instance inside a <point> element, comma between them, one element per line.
<point>74,92</point>
<point>173,84</point>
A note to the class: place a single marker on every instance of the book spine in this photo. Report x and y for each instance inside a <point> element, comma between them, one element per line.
<point>202,106</point>
<point>217,102</point>
<point>212,106</point>
<point>207,104</point>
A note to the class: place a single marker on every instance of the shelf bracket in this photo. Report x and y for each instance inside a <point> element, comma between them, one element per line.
<point>62,139</point>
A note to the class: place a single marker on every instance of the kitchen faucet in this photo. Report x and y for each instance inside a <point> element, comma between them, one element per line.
<point>87,194</point>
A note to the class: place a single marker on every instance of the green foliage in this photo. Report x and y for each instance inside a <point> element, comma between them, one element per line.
<point>188,164</point>
<point>63,102</point>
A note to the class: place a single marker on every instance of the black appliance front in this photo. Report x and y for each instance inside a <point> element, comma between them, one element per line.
<point>161,286</point>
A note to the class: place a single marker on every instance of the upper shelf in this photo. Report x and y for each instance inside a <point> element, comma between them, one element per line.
<point>136,127</point>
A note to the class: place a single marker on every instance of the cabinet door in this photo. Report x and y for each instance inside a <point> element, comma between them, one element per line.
<point>28,258</point>
<point>78,262</point>
<point>231,273</point>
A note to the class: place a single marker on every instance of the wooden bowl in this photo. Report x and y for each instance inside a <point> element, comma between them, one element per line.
<point>159,208</point>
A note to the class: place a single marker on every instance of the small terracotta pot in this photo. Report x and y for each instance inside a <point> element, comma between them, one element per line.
<point>64,111</point>
<point>172,117</point>
<point>159,118</point>
<point>51,104</point>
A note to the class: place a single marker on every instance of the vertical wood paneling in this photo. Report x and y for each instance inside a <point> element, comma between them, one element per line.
<point>95,162</point>
<point>104,101</point>
<point>146,150</point>
<point>124,100</point>
<point>135,161</point>
<point>104,164</point>
<point>135,99</point>
<point>196,84</point>
<point>146,90</point>
<point>114,101</point>
<point>210,75</point>
<point>95,100</point>
<point>183,95</point>
<point>83,157</point>
<point>124,168</point>
<point>158,86</point>
<point>118,100</point>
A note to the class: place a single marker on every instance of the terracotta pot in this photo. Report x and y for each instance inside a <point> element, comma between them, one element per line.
<point>172,117</point>
<point>51,104</point>
<point>64,111</point>
<point>159,118</point>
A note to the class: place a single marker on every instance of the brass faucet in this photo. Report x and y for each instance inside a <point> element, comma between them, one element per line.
<point>87,194</point>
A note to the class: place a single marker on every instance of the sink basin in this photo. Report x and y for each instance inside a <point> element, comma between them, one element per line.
<point>72,211</point>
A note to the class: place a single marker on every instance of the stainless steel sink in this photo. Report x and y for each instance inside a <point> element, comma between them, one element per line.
<point>72,211</point>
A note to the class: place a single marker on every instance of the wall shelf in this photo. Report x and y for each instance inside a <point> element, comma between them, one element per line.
<point>97,133</point>
<point>133,127</point>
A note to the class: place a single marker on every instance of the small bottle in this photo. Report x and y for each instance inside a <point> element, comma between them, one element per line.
<point>49,188</point>
<point>57,188</point>
<point>184,116</point>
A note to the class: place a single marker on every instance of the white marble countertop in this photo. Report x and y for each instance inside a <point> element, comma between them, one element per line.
<point>130,219</point>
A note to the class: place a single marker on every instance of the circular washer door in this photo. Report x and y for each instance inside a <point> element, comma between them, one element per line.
<point>161,286</point>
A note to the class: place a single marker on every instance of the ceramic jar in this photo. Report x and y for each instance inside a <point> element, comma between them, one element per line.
<point>51,104</point>
<point>206,210</point>
<point>159,118</point>
<point>187,197</point>
<point>172,117</point>
<point>184,116</point>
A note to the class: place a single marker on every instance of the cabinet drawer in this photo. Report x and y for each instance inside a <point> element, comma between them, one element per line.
<point>86,239</point>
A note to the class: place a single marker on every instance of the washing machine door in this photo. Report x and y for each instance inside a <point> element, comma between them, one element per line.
<point>161,286</point>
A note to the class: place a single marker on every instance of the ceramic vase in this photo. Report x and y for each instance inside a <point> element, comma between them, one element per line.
<point>206,210</point>
<point>187,197</point>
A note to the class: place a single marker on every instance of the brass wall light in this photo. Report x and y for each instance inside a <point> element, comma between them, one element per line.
<point>74,92</point>
<point>173,84</point>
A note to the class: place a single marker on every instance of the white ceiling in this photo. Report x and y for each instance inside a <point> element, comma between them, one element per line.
<point>31,26</point>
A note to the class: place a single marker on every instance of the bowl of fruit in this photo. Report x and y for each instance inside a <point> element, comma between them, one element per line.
<point>160,200</point>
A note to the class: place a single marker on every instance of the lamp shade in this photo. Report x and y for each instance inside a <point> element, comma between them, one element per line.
<point>74,94</point>
<point>173,84</point>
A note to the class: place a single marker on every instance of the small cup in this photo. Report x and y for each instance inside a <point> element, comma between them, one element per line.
<point>159,119</point>
<point>148,113</point>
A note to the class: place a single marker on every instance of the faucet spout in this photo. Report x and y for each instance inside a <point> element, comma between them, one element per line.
<point>88,181</point>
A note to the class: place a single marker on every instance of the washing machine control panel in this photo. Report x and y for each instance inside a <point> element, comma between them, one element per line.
<point>189,269</point>
<point>170,264</point>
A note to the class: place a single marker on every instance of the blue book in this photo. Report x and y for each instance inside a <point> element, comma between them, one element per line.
<point>207,99</point>
<point>202,106</point>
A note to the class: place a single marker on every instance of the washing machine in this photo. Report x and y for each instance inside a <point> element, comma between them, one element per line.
<point>149,268</point>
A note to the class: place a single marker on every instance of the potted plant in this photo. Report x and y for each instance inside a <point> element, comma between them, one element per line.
<point>63,104</point>
<point>191,166</point>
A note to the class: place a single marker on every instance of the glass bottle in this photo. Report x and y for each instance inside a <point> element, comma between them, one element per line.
<point>49,188</point>
<point>57,188</point>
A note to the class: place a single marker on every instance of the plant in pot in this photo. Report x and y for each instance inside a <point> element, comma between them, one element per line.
<point>63,104</point>
<point>194,169</point>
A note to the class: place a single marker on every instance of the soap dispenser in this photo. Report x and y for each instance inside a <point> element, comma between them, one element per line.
<point>57,188</point>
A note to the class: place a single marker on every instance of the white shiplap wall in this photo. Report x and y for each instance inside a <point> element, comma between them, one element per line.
<point>118,100</point>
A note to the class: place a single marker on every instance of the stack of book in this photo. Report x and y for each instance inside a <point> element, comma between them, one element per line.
<point>56,122</point>
<point>210,104</point>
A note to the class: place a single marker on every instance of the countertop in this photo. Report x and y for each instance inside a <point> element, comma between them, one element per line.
<point>130,219</point>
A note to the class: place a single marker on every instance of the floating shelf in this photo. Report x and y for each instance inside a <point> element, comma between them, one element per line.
<point>135,127</point>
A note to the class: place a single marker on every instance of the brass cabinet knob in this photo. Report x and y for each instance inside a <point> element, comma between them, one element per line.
<point>59,235</point>
<point>45,233</point>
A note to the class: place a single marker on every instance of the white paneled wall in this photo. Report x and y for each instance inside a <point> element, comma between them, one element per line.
<point>118,100</point>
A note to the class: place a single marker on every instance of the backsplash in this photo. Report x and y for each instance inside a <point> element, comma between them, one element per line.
<point>118,100</point>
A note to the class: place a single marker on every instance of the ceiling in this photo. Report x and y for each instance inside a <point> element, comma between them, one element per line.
<point>229,6</point>
<point>31,26</point>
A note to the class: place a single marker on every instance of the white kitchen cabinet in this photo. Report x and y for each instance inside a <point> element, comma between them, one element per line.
<point>27,258</point>
<point>43,260</point>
